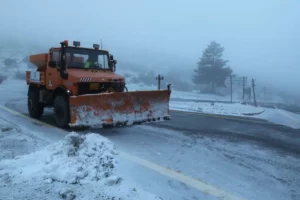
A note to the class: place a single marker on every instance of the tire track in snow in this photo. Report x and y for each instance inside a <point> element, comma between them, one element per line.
<point>286,115</point>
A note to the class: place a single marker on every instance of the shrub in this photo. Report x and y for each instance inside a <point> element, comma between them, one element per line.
<point>20,75</point>
<point>2,78</point>
<point>9,62</point>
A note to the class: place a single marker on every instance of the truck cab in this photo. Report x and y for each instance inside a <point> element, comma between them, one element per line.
<point>71,71</point>
<point>80,82</point>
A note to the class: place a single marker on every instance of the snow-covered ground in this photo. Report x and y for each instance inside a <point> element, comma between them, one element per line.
<point>196,95</point>
<point>81,167</point>
<point>235,109</point>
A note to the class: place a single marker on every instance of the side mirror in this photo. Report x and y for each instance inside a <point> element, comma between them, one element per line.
<point>111,57</point>
<point>113,64</point>
<point>52,63</point>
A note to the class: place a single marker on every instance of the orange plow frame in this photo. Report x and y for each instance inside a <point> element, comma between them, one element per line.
<point>124,108</point>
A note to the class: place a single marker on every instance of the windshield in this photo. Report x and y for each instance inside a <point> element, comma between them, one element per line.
<point>86,58</point>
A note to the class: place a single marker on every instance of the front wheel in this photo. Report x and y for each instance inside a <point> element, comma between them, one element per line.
<point>61,111</point>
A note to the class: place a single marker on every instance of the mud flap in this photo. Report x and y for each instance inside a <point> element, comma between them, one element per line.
<point>123,108</point>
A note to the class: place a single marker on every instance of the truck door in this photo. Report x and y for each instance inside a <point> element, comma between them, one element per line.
<point>52,75</point>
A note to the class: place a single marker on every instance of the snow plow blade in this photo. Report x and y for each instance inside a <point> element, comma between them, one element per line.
<point>119,109</point>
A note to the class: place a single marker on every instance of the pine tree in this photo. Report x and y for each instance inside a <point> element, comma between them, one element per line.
<point>212,68</point>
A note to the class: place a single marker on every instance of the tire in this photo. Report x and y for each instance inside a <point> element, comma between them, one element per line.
<point>35,108</point>
<point>61,111</point>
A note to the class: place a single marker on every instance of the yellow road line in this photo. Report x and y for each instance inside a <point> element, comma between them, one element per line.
<point>237,118</point>
<point>195,183</point>
<point>29,118</point>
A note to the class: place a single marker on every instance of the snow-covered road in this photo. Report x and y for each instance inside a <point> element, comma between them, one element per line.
<point>27,136</point>
<point>233,157</point>
<point>135,169</point>
<point>225,156</point>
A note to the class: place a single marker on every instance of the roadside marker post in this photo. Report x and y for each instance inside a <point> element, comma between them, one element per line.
<point>159,78</point>
<point>253,87</point>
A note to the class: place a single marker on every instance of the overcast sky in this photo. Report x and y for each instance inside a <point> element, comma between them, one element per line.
<point>261,37</point>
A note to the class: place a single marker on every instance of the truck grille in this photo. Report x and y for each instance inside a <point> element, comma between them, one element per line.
<point>84,88</point>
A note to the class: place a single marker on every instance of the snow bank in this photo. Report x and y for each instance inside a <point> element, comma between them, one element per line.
<point>282,117</point>
<point>78,167</point>
<point>14,140</point>
<point>235,109</point>
<point>77,158</point>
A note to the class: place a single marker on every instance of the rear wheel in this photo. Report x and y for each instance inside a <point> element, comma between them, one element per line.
<point>61,111</point>
<point>35,108</point>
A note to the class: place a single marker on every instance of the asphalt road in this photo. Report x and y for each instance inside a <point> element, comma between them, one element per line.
<point>252,158</point>
<point>238,129</point>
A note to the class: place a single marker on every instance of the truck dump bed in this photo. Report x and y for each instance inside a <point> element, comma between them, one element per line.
<point>39,60</point>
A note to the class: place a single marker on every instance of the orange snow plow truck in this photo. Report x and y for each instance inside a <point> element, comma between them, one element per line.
<point>81,86</point>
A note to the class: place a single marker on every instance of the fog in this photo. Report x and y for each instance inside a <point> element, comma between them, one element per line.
<point>261,38</point>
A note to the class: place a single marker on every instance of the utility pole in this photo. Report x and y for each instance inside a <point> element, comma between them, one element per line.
<point>231,89</point>
<point>249,91</point>
<point>253,86</point>
<point>159,78</point>
<point>244,83</point>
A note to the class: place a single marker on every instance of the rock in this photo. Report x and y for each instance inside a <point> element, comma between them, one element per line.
<point>67,194</point>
